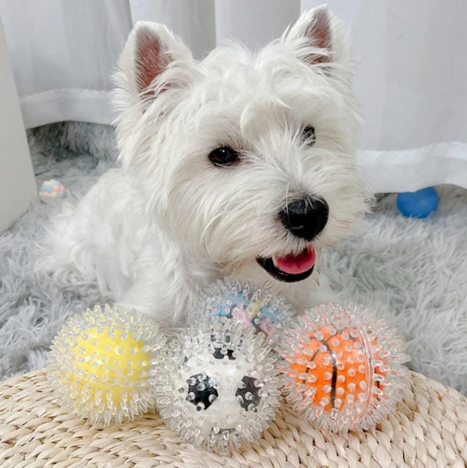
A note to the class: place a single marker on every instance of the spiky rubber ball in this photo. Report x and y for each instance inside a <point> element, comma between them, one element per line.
<point>242,301</point>
<point>219,386</point>
<point>103,363</point>
<point>343,366</point>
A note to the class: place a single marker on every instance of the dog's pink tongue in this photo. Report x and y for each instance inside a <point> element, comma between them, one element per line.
<point>296,264</point>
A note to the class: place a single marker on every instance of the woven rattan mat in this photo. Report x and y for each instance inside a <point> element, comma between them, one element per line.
<point>429,429</point>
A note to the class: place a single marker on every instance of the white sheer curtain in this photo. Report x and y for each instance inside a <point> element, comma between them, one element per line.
<point>410,74</point>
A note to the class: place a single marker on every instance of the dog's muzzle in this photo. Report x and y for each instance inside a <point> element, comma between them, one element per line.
<point>305,218</point>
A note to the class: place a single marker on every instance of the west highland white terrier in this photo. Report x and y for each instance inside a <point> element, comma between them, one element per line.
<point>240,164</point>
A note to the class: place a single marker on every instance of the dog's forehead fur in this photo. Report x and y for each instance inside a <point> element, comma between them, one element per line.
<point>235,78</point>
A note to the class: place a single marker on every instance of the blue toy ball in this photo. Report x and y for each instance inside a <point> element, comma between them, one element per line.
<point>418,204</point>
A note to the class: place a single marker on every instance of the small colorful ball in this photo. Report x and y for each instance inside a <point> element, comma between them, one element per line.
<point>219,386</point>
<point>418,204</point>
<point>52,189</point>
<point>344,367</point>
<point>244,302</point>
<point>103,364</point>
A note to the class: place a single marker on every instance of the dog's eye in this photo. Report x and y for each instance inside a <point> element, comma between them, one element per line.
<point>309,135</point>
<point>224,156</point>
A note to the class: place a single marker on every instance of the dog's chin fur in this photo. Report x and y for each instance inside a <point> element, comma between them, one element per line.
<point>167,221</point>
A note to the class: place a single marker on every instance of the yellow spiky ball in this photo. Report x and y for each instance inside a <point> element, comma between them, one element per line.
<point>103,362</point>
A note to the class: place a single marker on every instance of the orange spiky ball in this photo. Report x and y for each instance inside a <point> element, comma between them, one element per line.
<point>343,367</point>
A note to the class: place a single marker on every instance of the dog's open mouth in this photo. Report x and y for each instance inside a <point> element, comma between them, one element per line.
<point>291,268</point>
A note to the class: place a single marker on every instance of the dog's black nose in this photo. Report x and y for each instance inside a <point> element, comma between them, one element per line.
<point>305,218</point>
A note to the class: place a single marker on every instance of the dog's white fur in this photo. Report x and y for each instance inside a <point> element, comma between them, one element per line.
<point>167,221</point>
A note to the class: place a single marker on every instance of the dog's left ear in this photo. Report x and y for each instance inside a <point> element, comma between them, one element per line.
<point>318,38</point>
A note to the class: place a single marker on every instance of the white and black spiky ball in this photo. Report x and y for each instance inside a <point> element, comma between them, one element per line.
<point>242,301</point>
<point>219,386</point>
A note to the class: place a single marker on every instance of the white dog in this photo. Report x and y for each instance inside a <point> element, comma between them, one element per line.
<point>239,165</point>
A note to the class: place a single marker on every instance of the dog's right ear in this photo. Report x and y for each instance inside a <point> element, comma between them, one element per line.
<point>151,49</point>
<point>154,65</point>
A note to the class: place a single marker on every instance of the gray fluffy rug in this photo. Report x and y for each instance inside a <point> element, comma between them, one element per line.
<point>414,272</point>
